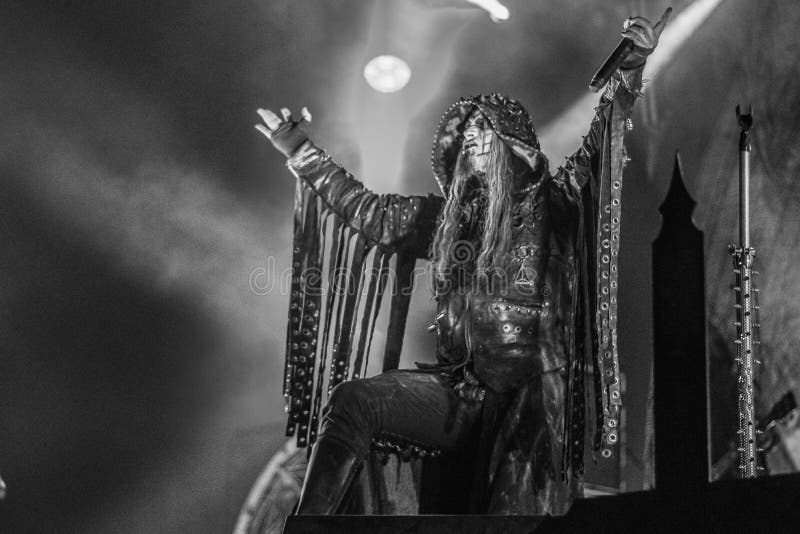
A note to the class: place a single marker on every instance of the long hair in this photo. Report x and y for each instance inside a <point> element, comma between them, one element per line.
<point>451,249</point>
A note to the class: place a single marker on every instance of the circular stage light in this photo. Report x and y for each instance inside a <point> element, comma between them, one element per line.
<point>387,74</point>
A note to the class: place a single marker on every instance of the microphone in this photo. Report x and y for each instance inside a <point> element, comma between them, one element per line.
<point>611,64</point>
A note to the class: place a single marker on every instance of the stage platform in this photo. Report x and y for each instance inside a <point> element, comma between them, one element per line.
<point>768,504</point>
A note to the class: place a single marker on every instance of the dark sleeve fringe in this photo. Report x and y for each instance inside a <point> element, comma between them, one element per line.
<point>596,170</point>
<point>333,298</point>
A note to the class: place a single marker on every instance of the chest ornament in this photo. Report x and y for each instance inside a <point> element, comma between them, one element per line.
<point>524,256</point>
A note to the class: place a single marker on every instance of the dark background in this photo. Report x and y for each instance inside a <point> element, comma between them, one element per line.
<point>140,373</point>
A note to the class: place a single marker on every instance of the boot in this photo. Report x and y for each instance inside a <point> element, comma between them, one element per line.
<point>331,469</point>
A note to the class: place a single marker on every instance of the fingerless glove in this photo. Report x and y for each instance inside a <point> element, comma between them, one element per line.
<point>288,137</point>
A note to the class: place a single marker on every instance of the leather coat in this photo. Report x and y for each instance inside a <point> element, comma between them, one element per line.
<point>529,342</point>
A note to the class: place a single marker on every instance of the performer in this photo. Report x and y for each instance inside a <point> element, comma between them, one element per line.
<point>525,278</point>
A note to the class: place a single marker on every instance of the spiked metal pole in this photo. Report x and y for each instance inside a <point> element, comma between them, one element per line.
<point>743,256</point>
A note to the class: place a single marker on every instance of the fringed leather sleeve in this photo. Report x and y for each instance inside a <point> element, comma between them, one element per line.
<point>344,239</point>
<point>593,177</point>
<point>390,221</point>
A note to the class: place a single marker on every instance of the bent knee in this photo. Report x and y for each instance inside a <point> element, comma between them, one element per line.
<point>353,394</point>
<point>350,416</point>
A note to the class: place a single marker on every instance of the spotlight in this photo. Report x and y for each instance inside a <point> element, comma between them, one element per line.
<point>497,11</point>
<point>387,74</point>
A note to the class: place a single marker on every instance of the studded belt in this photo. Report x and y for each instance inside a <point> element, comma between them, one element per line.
<point>511,342</point>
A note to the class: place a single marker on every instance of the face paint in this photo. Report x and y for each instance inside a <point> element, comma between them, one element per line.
<point>478,137</point>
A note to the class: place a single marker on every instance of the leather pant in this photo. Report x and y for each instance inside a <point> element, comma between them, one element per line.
<point>407,407</point>
<point>423,409</point>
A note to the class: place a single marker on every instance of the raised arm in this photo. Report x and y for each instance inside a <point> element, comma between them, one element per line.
<point>589,188</point>
<point>391,220</point>
<point>617,101</point>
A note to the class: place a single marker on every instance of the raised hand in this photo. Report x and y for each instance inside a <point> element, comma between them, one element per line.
<point>644,35</point>
<point>285,133</point>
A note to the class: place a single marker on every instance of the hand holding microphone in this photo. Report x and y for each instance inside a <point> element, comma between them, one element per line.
<point>639,38</point>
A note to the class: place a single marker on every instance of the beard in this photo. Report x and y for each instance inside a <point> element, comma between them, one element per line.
<point>474,231</point>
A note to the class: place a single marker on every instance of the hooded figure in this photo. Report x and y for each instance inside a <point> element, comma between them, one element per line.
<point>525,280</point>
